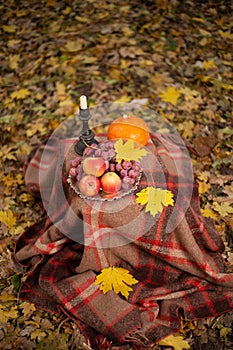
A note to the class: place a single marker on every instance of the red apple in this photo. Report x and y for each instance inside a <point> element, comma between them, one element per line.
<point>110,182</point>
<point>89,185</point>
<point>94,166</point>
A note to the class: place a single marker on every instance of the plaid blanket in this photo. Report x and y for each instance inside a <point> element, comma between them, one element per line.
<point>176,256</point>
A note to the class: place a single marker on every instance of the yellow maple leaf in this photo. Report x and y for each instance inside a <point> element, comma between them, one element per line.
<point>171,95</point>
<point>176,341</point>
<point>117,279</point>
<point>20,94</point>
<point>7,152</point>
<point>61,90</point>
<point>208,213</point>
<point>209,64</point>
<point>13,61</point>
<point>189,94</point>
<point>9,29</point>
<point>128,151</point>
<point>7,297</point>
<point>187,128</point>
<point>203,184</point>
<point>27,308</point>
<point>226,35</point>
<point>5,315</point>
<point>226,86</point>
<point>223,209</point>
<point>51,3</point>
<point>8,218</point>
<point>122,99</point>
<point>37,334</point>
<point>37,126</point>
<point>73,45</point>
<point>155,199</point>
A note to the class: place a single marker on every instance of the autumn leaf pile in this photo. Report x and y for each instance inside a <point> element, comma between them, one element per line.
<point>176,54</point>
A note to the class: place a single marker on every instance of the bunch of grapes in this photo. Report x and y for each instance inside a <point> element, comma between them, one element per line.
<point>128,171</point>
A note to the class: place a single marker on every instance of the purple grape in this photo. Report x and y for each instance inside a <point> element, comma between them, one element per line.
<point>72,172</point>
<point>112,167</point>
<point>118,166</point>
<point>133,173</point>
<point>94,145</point>
<point>136,166</point>
<point>125,186</point>
<point>75,161</point>
<point>105,155</point>
<point>126,165</point>
<point>108,165</point>
<point>80,174</point>
<point>102,146</point>
<point>88,151</point>
<point>132,180</point>
<point>98,152</point>
<point>127,179</point>
<point>79,169</point>
<point>111,153</point>
<point>109,144</point>
<point>123,173</point>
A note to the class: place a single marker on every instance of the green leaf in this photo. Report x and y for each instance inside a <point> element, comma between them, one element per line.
<point>15,281</point>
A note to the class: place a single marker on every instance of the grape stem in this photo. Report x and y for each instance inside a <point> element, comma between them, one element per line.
<point>87,145</point>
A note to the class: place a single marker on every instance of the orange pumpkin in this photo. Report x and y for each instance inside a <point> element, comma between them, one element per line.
<point>129,128</point>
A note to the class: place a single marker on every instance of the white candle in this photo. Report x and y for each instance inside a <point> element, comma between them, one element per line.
<point>83,102</point>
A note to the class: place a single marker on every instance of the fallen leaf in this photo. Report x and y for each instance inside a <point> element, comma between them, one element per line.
<point>155,199</point>
<point>203,187</point>
<point>13,61</point>
<point>176,341</point>
<point>27,309</point>
<point>117,279</point>
<point>186,128</point>
<point>171,95</point>
<point>122,99</point>
<point>223,209</point>
<point>73,46</point>
<point>204,144</point>
<point>209,64</point>
<point>51,3</point>
<point>20,94</point>
<point>224,331</point>
<point>7,152</point>
<point>37,126</point>
<point>226,35</point>
<point>8,218</point>
<point>203,182</point>
<point>38,334</point>
<point>9,29</point>
<point>5,315</point>
<point>61,90</point>
<point>208,213</point>
<point>127,151</point>
<point>7,297</point>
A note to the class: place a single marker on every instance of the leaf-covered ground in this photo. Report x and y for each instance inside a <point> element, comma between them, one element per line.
<point>176,54</point>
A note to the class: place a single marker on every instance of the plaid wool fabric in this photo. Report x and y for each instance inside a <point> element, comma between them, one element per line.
<point>176,256</point>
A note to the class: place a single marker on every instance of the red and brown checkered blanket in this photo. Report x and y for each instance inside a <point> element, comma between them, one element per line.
<point>176,256</point>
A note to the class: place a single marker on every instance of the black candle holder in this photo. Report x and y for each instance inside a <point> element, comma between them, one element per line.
<point>86,137</point>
